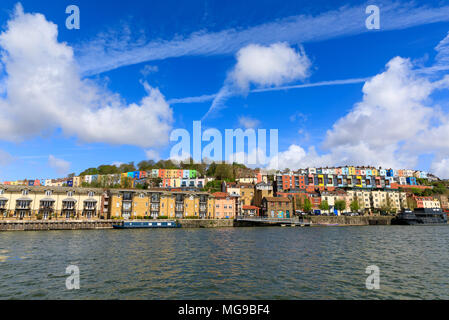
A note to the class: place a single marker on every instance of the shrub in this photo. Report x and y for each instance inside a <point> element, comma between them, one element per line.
<point>162,217</point>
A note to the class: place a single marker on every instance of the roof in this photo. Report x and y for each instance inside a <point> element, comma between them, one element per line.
<point>220,195</point>
<point>250,207</point>
<point>44,188</point>
<point>277,199</point>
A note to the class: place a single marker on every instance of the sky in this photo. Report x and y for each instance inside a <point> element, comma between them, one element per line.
<point>115,89</point>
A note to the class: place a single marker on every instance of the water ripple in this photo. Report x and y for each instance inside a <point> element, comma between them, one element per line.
<point>234,263</point>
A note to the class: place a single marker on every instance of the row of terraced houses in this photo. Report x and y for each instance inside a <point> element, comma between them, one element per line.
<point>250,195</point>
<point>69,203</point>
<point>170,178</point>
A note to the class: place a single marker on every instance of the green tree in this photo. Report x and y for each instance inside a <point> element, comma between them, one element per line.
<point>127,182</point>
<point>439,188</point>
<point>211,170</point>
<point>340,205</point>
<point>213,186</point>
<point>299,204</point>
<point>411,203</point>
<point>324,205</point>
<point>307,205</point>
<point>107,169</point>
<point>127,167</point>
<point>355,206</point>
<point>89,172</point>
<point>224,172</point>
<point>146,165</point>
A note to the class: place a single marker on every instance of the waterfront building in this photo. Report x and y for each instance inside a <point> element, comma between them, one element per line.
<point>224,205</point>
<point>444,202</point>
<point>426,202</point>
<point>261,191</point>
<point>141,204</point>
<point>332,196</point>
<point>376,200</point>
<point>246,194</point>
<point>277,207</point>
<point>49,202</point>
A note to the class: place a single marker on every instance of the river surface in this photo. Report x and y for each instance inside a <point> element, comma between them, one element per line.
<point>231,263</point>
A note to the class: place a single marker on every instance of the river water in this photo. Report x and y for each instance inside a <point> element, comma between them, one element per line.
<point>231,263</point>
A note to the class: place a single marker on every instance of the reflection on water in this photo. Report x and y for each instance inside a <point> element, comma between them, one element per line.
<point>234,263</point>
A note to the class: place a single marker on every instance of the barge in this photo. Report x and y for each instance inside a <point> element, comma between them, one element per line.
<point>421,216</point>
<point>146,225</point>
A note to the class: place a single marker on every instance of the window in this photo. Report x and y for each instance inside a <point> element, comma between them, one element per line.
<point>25,192</point>
<point>91,194</point>
<point>70,194</point>
<point>2,191</point>
<point>48,193</point>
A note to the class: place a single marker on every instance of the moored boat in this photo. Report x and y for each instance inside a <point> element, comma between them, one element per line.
<point>146,224</point>
<point>421,216</point>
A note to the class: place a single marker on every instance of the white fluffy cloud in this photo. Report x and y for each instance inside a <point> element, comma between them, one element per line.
<point>394,123</point>
<point>269,66</point>
<point>44,91</point>
<point>262,66</point>
<point>61,166</point>
<point>441,168</point>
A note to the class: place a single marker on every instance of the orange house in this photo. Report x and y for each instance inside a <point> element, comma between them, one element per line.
<point>223,205</point>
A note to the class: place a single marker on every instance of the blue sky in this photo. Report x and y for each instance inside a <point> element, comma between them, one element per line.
<point>190,49</point>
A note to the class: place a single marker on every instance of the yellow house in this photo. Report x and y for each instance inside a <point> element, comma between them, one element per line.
<point>133,204</point>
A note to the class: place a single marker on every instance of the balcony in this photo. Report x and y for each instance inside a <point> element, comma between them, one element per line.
<point>3,202</point>
<point>23,204</point>
<point>47,204</point>
<point>90,204</point>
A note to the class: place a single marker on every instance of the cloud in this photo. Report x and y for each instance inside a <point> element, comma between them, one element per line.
<point>262,67</point>
<point>395,123</point>
<point>181,158</point>
<point>45,92</point>
<point>211,97</point>
<point>148,69</point>
<point>111,51</point>
<point>274,65</point>
<point>393,110</point>
<point>61,166</point>
<point>441,167</point>
<point>152,154</point>
<point>248,123</point>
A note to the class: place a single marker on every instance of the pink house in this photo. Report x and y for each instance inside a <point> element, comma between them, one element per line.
<point>224,205</point>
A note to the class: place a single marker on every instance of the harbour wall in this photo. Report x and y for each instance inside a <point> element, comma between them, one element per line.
<point>39,225</point>
<point>55,225</point>
<point>350,221</point>
<point>213,223</point>
<point>186,223</point>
